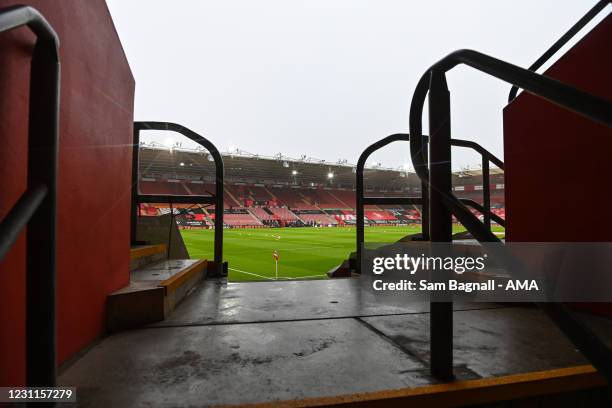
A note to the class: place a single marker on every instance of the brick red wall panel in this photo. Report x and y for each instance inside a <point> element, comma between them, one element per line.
<point>97,97</point>
<point>558,163</point>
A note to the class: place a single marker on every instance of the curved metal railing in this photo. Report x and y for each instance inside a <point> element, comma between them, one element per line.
<point>216,199</point>
<point>443,203</point>
<point>37,207</point>
<point>362,201</point>
<point>423,201</point>
<point>486,158</point>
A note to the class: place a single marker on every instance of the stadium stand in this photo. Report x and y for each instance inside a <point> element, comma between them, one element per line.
<point>289,197</point>
<point>240,220</point>
<point>381,217</point>
<point>200,188</point>
<point>306,206</point>
<point>262,214</point>
<point>260,194</point>
<point>240,217</point>
<point>324,199</point>
<point>283,213</point>
<point>257,194</point>
<point>346,197</point>
<point>174,187</point>
<point>317,219</point>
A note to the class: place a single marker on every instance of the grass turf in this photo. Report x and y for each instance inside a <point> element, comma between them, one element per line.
<point>305,253</point>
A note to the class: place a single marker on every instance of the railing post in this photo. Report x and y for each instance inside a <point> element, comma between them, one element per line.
<point>360,213</point>
<point>425,211</point>
<point>41,234</point>
<point>219,215</point>
<point>486,191</point>
<point>440,182</point>
<point>134,213</point>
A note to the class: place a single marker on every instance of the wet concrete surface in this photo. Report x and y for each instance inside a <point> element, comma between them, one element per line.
<point>493,342</point>
<point>271,341</point>
<point>215,302</point>
<point>229,364</point>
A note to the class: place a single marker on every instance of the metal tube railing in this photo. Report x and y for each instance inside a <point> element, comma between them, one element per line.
<point>434,82</point>
<point>19,216</point>
<point>362,200</point>
<point>486,157</point>
<point>216,199</point>
<point>38,206</point>
<point>565,38</point>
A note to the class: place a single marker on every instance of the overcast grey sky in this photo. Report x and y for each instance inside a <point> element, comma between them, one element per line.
<point>326,78</point>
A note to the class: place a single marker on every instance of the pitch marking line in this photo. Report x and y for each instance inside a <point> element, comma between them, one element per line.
<point>280,278</point>
<point>249,273</point>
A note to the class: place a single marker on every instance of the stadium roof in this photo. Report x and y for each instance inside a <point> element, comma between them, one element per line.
<point>242,167</point>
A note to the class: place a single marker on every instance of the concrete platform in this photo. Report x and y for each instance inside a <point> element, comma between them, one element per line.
<point>275,341</point>
<point>217,302</point>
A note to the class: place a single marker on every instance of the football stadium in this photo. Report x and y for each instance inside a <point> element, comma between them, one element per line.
<point>302,210</point>
<point>416,215</point>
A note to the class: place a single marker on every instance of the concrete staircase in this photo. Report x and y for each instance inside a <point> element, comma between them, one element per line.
<point>157,286</point>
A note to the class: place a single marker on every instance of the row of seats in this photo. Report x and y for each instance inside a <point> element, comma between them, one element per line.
<point>289,204</point>
<point>295,198</point>
<point>256,216</point>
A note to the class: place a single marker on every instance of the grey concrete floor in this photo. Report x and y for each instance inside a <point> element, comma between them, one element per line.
<point>216,303</point>
<point>270,341</point>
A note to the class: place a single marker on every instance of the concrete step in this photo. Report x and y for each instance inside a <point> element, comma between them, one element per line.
<point>143,255</point>
<point>153,293</point>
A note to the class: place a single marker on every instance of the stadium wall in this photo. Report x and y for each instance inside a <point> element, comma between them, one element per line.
<point>557,161</point>
<point>97,94</point>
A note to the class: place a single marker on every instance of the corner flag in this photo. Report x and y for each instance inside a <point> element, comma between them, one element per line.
<point>276,258</point>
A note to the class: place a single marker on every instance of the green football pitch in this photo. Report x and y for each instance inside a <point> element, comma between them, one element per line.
<point>305,253</point>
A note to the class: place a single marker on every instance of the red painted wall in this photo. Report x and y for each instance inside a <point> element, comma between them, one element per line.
<point>97,96</point>
<point>541,139</point>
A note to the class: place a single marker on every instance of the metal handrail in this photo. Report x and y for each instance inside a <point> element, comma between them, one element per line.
<point>362,200</point>
<point>37,207</point>
<point>486,158</point>
<point>479,149</point>
<point>216,199</point>
<point>565,38</point>
<point>444,203</point>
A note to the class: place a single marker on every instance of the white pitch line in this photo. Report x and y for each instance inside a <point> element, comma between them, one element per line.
<point>308,276</point>
<point>249,273</point>
<point>280,278</point>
